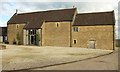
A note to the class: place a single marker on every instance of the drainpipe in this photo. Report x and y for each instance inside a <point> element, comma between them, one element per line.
<point>70,34</point>
<point>113,30</point>
<point>41,36</point>
<point>113,38</point>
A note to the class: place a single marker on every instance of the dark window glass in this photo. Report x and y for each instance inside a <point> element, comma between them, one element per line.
<point>75,42</point>
<point>17,26</point>
<point>33,31</point>
<point>57,24</point>
<point>28,31</point>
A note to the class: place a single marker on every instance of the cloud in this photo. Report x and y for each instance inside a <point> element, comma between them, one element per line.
<point>82,6</point>
<point>93,6</point>
<point>59,0</point>
<point>8,8</point>
<point>118,19</point>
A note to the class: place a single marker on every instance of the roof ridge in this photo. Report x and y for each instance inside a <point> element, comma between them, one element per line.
<point>96,12</point>
<point>96,18</point>
<point>46,11</point>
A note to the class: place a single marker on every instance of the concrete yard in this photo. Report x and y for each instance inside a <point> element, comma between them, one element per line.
<point>106,62</point>
<point>28,57</point>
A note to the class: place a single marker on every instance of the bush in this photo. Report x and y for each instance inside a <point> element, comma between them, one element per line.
<point>117,42</point>
<point>19,39</point>
<point>14,41</point>
<point>6,42</point>
<point>19,43</point>
<point>2,47</point>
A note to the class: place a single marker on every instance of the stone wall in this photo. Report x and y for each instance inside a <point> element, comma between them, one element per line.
<point>56,34</point>
<point>59,34</point>
<point>12,30</point>
<point>102,35</point>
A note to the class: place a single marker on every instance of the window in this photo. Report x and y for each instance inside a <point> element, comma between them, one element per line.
<point>17,26</point>
<point>32,31</point>
<point>75,41</point>
<point>75,29</point>
<point>57,24</point>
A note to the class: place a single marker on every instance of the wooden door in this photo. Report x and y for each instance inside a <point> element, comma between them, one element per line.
<point>91,44</point>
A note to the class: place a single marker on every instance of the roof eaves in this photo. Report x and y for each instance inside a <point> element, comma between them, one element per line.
<point>92,24</point>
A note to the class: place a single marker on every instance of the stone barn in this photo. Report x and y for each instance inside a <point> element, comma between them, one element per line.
<point>94,30</point>
<point>63,27</point>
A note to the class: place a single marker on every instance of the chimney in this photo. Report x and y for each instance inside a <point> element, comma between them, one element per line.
<point>73,6</point>
<point>16,11</point>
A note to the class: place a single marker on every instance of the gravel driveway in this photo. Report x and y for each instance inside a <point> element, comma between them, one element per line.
<point>23,57</point>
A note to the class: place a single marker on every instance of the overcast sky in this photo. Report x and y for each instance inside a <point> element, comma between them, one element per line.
<point>8,7</point>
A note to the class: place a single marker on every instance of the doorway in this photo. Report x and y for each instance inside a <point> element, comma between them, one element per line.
<point>91,44</point>
<point>33,39</point>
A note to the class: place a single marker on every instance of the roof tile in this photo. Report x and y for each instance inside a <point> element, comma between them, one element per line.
<point>98,18</point>
<point>36,19</point>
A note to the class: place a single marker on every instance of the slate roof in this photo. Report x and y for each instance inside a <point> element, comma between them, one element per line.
<point>98,18</point>
<point>36,19</point>
<point>3,31</point>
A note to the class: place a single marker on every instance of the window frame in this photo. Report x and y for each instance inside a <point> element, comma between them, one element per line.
<point>75,29</point>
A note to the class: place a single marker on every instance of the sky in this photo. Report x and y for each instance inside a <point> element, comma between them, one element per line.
<point>8,8</point>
